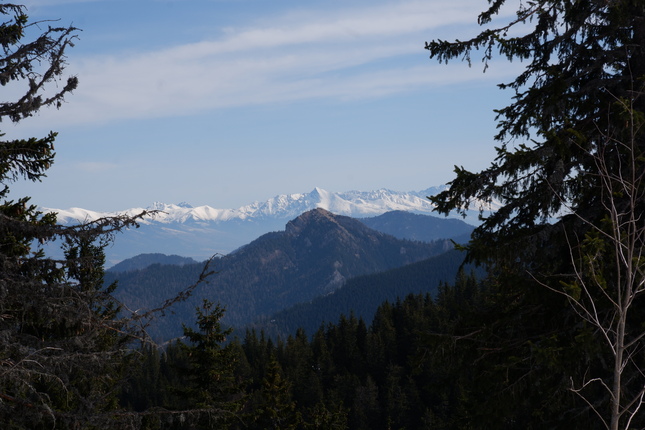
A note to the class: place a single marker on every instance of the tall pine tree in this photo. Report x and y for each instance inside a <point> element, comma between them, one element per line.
<point>565,248</point>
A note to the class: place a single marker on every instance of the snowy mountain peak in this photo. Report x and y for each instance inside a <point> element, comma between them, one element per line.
<point>356,204</point>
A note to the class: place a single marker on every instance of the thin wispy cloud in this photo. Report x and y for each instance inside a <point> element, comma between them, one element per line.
<point>346,54</point>
<point>348,25</point>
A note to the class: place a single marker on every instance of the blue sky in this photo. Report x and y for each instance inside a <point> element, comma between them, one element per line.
<point>226,102</point>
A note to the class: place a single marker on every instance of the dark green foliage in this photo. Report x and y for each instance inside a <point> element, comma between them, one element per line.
<point>582,58</point>
<point>196,383</point>
<point>559,338</point>
<point>210,381</point>
<point>147,386</point>
<point>189,385</point>
<point>560,307</point>
<point>60,339</point>
<point>65,342</point>
<point>471,358</point>
<point>273,407</point>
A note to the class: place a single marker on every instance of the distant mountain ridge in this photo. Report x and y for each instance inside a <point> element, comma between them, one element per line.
<point>314,255</point>
<point>424,228</point>
<point>199,232</point>
<point>142,261</point>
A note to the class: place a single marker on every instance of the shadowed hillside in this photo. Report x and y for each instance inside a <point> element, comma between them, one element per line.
<point>314,256</point>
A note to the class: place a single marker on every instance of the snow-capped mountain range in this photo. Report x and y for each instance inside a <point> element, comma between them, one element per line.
<point>202,231</point>
<point>356,204</point>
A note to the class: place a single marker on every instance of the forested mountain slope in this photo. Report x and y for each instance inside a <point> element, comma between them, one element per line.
<point>314,256</point>
<point>363,295</point>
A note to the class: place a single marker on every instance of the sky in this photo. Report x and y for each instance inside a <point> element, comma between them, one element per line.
<point>227,102</point>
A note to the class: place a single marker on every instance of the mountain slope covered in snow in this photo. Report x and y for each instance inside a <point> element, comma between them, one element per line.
<point>355,204</point>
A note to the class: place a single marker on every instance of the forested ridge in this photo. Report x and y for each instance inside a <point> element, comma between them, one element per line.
<point>316,255</point>
<point>363,295</point>
<point>551,337</point>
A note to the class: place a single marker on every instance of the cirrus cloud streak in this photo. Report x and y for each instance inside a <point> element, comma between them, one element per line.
<point>347,54</point>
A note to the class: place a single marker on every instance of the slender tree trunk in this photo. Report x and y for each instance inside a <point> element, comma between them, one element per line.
<point>618,372</point>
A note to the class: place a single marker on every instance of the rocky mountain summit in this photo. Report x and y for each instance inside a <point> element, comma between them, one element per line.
<point>314,255</point>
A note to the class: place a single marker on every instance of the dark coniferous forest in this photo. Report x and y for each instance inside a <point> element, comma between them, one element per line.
<point>550,335</point>
<point>395,371</point>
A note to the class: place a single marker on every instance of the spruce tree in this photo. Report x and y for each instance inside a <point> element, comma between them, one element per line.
<point>565,247</point>
<point>582,59</point>
<point>60,337</point>
<point>211,388</point>
<point>274,407</point>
